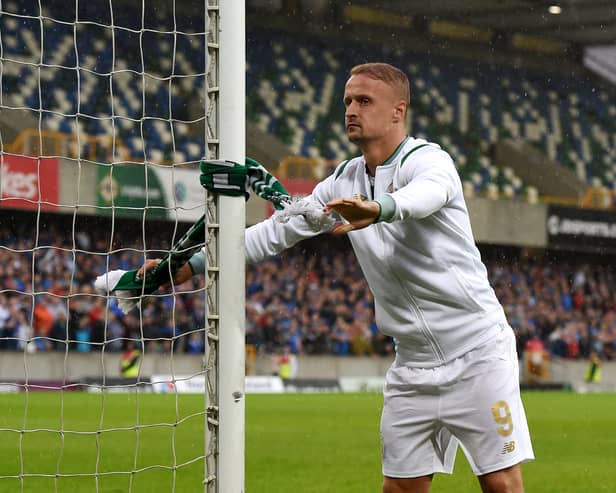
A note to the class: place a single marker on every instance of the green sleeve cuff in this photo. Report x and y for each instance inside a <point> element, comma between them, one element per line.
<point>388,208</point>
<point>197,262</point>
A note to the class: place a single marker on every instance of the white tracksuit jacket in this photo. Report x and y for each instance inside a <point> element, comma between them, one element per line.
<point>430,287</point>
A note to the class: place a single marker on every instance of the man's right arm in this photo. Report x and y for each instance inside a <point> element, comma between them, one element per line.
<point>263,240</point>
<point>271,237</point>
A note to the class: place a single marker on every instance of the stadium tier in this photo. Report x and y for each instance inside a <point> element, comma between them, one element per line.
<point>291,93</point>
<point>146,100</point>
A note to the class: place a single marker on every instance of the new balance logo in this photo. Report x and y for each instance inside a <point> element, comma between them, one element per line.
<point>508,447</point>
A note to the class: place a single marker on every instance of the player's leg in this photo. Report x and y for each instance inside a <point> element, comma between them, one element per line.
<point>414,443</point>
<point>407,485</point>
<point>508,480</point>
<point>484,411</point>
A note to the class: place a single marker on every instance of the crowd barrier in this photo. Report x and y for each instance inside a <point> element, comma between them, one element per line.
<point>195,384</point>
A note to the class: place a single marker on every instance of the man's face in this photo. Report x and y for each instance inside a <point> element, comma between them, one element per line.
<point>372,108</point>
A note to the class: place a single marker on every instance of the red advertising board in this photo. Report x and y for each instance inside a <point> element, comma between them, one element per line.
<point>26,182</point>
<point>298,186</point>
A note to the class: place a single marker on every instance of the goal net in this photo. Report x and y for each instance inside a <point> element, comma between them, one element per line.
<point>106,109</point>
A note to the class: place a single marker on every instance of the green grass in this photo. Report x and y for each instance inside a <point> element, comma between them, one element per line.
<point>119,449</point>
<point>330,443</point>
<point>295,443</point>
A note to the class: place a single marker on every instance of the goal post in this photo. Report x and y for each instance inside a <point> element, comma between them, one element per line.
<point>226,341</point>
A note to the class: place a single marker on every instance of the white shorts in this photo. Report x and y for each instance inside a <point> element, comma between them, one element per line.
<point>473,401</point>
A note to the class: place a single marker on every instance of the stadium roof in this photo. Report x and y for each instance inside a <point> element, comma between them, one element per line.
<point>581,22</point>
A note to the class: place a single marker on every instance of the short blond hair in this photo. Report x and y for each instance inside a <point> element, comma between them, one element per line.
<point>389,74</point>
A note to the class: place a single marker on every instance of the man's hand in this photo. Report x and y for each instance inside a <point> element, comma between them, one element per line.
<point>181,276</point>
<point>148,266</point>
<point>358,213</point>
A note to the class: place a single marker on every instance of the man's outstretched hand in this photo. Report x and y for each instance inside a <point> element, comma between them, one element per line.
<point>358,213</point>
<point>181,276</point>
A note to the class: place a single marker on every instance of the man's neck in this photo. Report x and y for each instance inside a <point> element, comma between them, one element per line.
<point>377,152</point>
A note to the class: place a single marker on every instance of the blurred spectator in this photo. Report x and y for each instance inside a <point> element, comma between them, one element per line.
<point>534,353</point>
<point>42,323</point>
<point>83,334</point>
<point>195,343</point>
<point>286,364</point>
<point>593,372</point>
<point>294,337</point>
<point>340,338</point>
<point>130,360</point>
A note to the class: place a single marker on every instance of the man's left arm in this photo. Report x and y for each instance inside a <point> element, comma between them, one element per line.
<point>428,182</point>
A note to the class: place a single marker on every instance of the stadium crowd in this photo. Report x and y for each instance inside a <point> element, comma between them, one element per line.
<point>312,299</point>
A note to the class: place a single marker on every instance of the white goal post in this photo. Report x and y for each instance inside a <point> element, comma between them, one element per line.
<point>226,405</point>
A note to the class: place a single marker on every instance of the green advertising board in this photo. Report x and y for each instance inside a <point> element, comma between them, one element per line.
<point>172,192</point>
<point>124,189</point>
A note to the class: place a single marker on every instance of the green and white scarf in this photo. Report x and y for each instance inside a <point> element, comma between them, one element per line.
<point>221,177</point>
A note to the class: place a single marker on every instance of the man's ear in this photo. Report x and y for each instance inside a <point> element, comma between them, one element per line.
<point>400,111</point>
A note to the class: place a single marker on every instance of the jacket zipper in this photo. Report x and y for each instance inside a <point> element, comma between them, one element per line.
<point>436,349</point>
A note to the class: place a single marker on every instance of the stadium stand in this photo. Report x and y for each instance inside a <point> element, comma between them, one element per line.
<point>312,302</point>
<point>77,89</point>
<point>291,95</point>
<point>571,120</point>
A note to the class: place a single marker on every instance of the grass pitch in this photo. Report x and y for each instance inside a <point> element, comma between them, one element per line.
<point>300,443</point>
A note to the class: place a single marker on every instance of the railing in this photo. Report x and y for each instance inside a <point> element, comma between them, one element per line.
<point>32,142</point>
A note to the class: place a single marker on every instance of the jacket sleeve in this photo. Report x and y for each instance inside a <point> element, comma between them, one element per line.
<point>429,181</point>
<point>270,237</point>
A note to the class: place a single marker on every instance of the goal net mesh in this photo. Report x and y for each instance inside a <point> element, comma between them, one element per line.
<point>105,109</point>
